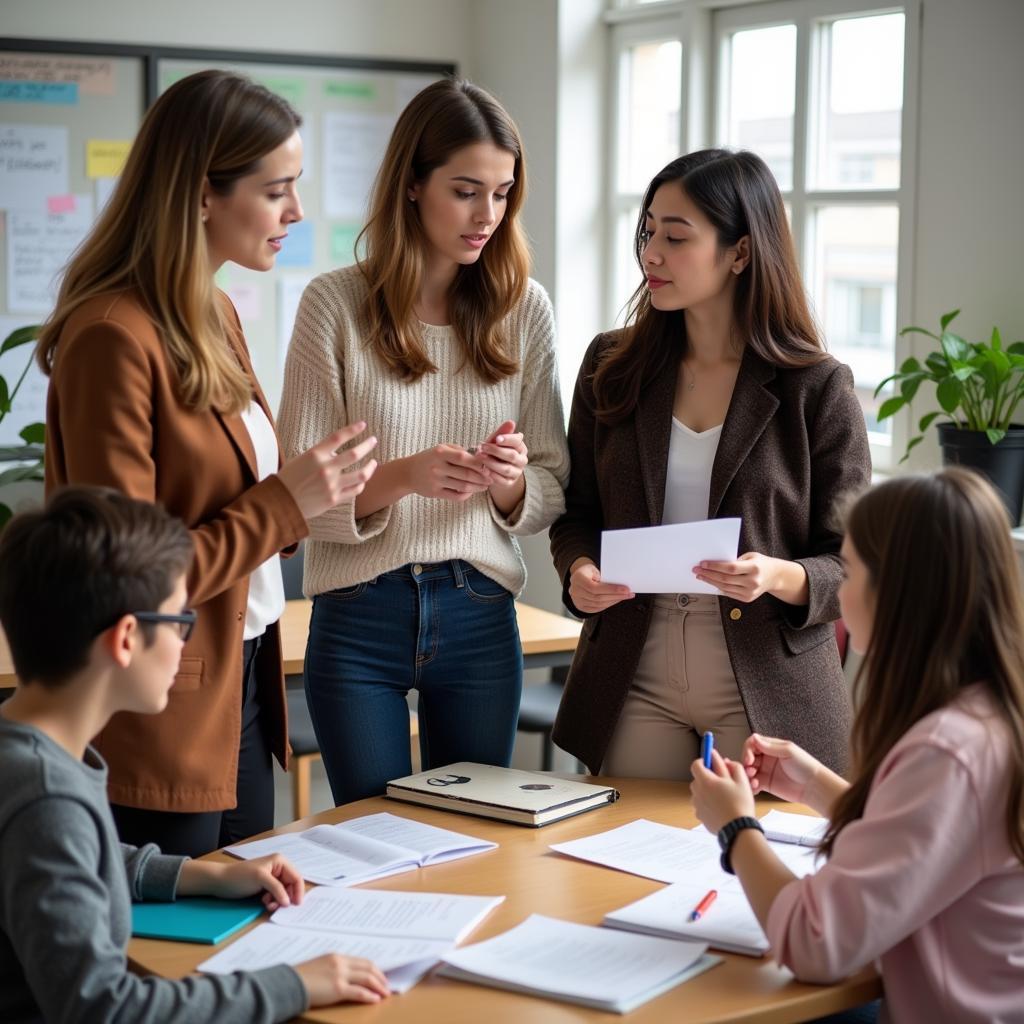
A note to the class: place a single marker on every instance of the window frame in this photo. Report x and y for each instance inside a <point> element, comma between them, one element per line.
<point>702,27</point>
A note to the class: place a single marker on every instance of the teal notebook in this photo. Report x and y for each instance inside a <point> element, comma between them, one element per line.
<point>194,919</point>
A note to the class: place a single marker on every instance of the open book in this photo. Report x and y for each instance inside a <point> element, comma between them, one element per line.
<point>364,849</point>
<point>580,964</point>
<point>404,933</point>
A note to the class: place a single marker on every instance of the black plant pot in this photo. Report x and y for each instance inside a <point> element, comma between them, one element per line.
<point>1002,463</point>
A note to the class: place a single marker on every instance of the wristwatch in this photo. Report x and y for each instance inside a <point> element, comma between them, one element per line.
<point>727,836</point>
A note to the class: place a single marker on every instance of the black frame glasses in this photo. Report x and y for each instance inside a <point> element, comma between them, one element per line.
<point>185,621</point>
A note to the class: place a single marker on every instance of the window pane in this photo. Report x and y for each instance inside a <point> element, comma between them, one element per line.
<point>762,93</point>
<point>859,111</point>
<point>853,286</point>
<point>627,273</point>
<point>651,79</point>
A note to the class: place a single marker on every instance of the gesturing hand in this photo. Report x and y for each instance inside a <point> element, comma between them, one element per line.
<point>779,767</point>
<point>321,477</point>
<point>447,471</point>
<point>504,454</point>
<point>587,591</point>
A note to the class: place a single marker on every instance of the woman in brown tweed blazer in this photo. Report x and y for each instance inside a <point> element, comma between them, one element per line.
<point>716,400</point>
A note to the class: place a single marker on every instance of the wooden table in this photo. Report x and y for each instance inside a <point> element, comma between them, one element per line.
<point>536,880</point>
<point>547,639</point>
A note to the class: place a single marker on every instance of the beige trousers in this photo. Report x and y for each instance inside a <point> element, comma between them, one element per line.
<point>684,686</point>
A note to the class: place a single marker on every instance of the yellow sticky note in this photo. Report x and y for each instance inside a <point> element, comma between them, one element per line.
<point>104,158</point>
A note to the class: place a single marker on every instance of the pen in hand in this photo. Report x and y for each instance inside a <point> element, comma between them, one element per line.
<point>702,908</point>
<point>707,744</point>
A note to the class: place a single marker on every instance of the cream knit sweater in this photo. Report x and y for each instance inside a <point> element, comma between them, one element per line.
<point>331,378</point>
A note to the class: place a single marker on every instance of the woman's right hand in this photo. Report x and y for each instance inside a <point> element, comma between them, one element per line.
<point>587,591</point>
<point>335,978</point>
<point>780,767</point>
<point>447,471</point>
<point>320,478</point>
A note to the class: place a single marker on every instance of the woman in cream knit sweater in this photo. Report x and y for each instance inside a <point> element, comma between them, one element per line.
<point>443,345</point>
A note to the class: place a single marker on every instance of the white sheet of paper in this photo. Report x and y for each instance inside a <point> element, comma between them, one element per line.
<point>660,559</point>
<point>787,827</point>
<point>413,915</point>
<point>353,147</point>
<point>33,166</point>
<point>729,919</point>
<point>104,190</point>
<point>270,944</point>
<point>434,844</point>
<point>289,293</point>
<point>38,247</point>
<point>579,961</point>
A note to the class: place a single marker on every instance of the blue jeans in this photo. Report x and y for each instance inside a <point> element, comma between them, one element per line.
<point>444,629</point>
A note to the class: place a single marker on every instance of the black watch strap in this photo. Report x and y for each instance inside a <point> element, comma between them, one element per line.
<point>727,836</point>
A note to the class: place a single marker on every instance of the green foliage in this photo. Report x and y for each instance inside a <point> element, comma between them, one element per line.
<point>978,385</point>
<point>28,456</point>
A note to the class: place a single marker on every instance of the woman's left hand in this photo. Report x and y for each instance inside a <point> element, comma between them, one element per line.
<point>754,574</point>
<point>505,454</point>
<point>274,876</point>
<point>721,794</point>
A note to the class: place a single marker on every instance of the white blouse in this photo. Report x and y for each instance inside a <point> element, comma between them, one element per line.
<point>688,481</point>
<point>266,587</point>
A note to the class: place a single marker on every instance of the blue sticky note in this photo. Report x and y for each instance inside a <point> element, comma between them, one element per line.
<point>297,248</point>
<point>194,919</point>
<point>39,92</point>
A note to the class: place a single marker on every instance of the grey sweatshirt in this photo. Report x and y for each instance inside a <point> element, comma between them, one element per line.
<point>66,888</point>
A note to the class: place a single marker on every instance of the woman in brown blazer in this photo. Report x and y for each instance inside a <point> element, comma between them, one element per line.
<point>716,400</point>
<point>152,392</point>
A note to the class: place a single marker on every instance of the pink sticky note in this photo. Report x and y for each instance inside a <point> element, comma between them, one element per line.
<point>61,204</point>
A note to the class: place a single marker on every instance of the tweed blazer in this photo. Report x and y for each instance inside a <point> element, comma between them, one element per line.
<point>114,418</point>
<point>793,442</point>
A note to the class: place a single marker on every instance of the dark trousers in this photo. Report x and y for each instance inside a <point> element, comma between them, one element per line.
<point>194,834</point>
<point>446,630</point>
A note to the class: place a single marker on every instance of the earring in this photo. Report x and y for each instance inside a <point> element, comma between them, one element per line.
<point>204,218</point>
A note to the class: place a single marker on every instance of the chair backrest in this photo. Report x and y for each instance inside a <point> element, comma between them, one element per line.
<point>291,571</point>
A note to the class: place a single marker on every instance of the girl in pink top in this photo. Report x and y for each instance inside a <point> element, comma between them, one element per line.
<point>925,869</point>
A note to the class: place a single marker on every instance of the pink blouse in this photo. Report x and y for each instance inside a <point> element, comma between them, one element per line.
<point>925,882</point>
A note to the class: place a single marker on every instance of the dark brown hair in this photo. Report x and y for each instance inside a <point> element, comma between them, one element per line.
<point>737,193</point>
<point>948,612</point>
<point>445,117</point>
<point>72,569</point>
<point>211,126</point>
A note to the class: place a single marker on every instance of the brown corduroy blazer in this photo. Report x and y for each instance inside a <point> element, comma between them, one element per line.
<point>114,418</point>
<point>793,442</point>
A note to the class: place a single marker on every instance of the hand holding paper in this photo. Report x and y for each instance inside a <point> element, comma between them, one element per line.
<point>661,559</point>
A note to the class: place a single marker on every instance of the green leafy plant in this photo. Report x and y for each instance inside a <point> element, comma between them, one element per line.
<point>29,456</point>
<point>978,385</point>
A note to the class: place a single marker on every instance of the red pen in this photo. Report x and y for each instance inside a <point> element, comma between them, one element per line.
<point>702,908</point>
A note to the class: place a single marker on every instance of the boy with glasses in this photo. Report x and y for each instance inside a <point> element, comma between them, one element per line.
<point>92,600</point>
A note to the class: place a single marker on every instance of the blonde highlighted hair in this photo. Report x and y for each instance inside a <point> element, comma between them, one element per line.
<point>445,117</point>
<point>213,127</point>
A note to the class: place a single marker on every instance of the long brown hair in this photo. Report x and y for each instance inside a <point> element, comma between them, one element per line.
<point>948,612</point>
<point>209,127</point>
<point>737,193</point>
<point>443,118</point>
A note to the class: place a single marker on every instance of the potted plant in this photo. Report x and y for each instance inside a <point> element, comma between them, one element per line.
<point>28,456</point>
<point>978,386</point>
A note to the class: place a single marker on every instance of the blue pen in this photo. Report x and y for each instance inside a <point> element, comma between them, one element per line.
<point>707,744</point>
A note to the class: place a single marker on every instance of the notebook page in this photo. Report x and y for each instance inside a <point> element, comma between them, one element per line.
<point>427,841</point>
<point>412,915</point>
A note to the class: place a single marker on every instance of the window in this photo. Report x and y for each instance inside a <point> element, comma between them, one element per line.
<point>819,89</point>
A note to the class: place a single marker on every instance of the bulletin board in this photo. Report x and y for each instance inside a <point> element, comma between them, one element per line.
<point>68,114</point>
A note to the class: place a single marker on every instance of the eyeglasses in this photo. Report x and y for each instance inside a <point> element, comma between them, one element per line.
<point>184,621</point>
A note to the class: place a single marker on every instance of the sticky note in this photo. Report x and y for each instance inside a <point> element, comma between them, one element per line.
<point>104,158</point>
<point>39,92</point>
<point>297,248</point>
<point>350,90</point>
<point>60,204</point>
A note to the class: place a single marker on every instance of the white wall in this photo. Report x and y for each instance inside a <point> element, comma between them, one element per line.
<point>424,29</point>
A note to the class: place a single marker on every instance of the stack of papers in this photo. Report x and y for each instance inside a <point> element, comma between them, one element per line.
<point>404,933</point>
<point>802,829</point>
<point>576,963</point>
<point>364,849</point>
<point>689,859</point>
